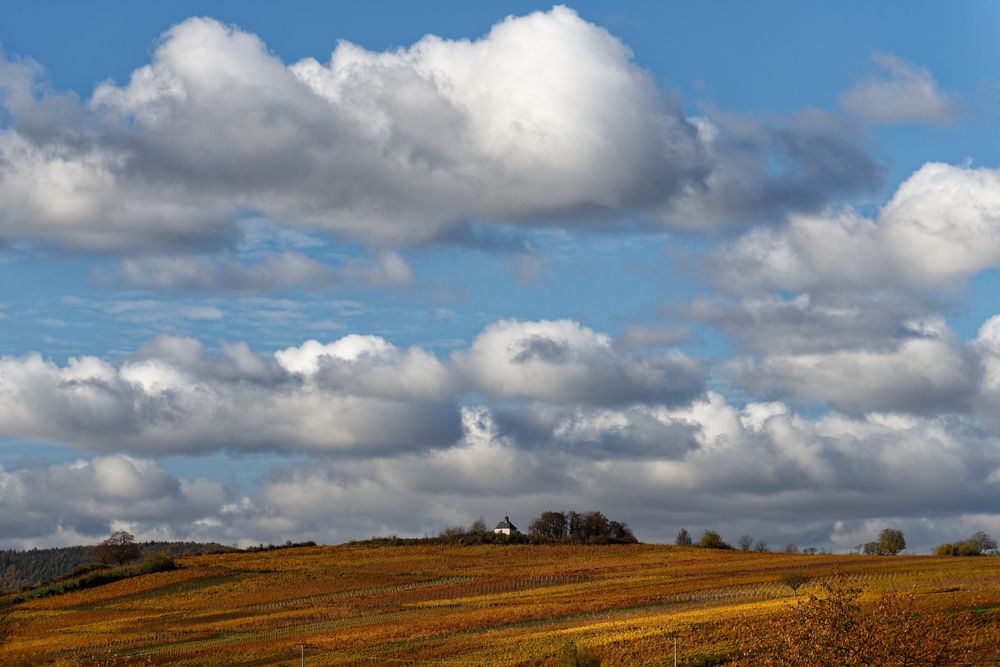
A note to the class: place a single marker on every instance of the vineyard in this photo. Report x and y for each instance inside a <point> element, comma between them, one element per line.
<point>369,604</point>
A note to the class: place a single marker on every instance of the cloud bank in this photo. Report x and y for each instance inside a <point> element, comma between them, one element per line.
<point>358,395</point>
<point>545,119</point>
<point>762,468</point>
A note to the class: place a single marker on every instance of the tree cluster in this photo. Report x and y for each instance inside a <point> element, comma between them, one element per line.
<point>710,539</point>
<point>979,544</point>
<point>571,527</point>
<point>590,527</point>
<point>889,543</point>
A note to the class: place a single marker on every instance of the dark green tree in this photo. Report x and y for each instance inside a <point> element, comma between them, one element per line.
<point>712,540</point>
<point>891,541</point>
<point>596,527</point>
<point>620,532</point>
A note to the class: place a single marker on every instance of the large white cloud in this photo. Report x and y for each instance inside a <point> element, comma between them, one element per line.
<point>560,360</point>
<point>930,371</point>
<point>865,329</point>
<point>921,368</point>
<point>545,118</point>
<point>174,398</point>
<point>941,226</point>
<point>370,365</point>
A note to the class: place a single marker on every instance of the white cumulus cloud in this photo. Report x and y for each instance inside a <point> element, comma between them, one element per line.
<point>560,360</point>
<point>546,118</point>
<point>941,227</point>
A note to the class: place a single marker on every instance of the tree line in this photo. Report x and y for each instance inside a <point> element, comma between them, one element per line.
<point>890,542</point>
<point>711,539</point>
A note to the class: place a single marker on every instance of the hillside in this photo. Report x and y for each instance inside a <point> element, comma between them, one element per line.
<point>27,568</point>
<point>366,604</point>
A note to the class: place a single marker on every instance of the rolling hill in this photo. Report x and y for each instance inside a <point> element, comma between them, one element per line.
<point>371,604</point>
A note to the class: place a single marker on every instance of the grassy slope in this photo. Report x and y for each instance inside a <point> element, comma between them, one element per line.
<point>363,604</point>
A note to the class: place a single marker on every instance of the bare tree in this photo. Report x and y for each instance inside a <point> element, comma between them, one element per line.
<point>984,543</point>
<point>745,542</point>
<point>683,538</point>
<point>120,548</point>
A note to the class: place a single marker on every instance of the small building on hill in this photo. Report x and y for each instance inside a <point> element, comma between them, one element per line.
<point>505,527</point>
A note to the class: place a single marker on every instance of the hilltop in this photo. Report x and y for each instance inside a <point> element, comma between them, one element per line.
<point>364,604</point>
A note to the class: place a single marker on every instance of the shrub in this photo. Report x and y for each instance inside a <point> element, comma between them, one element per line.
<point>159,562</point>
<point>712,540</point>
<point>977,545</point>
<point>836,630</point>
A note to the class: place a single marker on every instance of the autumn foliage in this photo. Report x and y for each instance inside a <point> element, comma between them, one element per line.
<point>834,629</point>
<point>514,604</point>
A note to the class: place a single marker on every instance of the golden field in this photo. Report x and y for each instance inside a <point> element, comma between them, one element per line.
<point>367,604</point>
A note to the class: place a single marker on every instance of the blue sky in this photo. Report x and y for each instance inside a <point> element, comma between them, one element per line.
<point>592,257</point>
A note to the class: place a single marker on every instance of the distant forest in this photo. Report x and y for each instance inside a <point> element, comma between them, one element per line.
<point>27,568</point>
